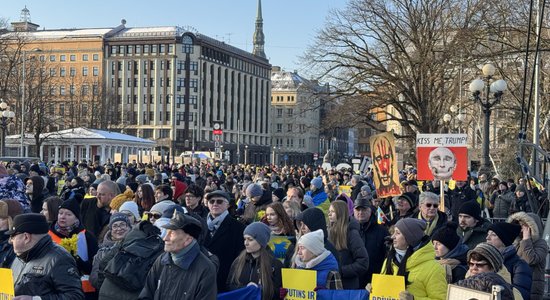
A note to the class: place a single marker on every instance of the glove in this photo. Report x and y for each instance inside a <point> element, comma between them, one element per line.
<point>148,228</point>
<point>368,287</point>
<point>282,293</point>
<point>319,288</point>
<point>405,295</point>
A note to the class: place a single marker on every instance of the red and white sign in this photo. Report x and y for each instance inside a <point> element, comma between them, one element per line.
<point>442,156</point>
<point>217,132</point>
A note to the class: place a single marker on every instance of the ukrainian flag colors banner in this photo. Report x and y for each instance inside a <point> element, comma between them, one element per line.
<point>279,245</point>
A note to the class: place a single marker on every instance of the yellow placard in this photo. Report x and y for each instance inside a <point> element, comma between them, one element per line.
<point>344,189</point>
<point>299,283</point>
<point>452,184</point>
<point>387,286</point>
<point>6,284</point>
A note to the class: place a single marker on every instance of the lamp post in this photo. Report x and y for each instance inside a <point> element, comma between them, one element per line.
<point>497,88</point>
<point>245,154</point>
<point>6,118</point>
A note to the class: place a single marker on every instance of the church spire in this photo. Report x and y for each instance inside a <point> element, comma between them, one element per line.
<point>258,37</point>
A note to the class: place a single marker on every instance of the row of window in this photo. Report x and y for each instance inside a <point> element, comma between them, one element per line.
<point>72,57</point>
<point>84,90</point>
<point>282,98</point>
<point>290,143</point>
<point>180,100</point>
<point>146,49</point>
<point>290,127</point>
<point>72,71</point>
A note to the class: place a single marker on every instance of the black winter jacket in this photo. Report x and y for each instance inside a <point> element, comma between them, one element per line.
<point>354,259</point>
<point>6,251</point>
<point>373,236</point>
<point>251,273</point>
<point>48,271</point>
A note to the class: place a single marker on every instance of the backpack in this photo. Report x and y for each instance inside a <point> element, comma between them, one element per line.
<point>129,267</point>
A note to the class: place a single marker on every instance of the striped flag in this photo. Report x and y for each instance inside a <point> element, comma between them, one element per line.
<point>380,216</point>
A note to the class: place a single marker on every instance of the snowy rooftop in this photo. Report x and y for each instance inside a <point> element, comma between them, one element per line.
<point>282,80</point>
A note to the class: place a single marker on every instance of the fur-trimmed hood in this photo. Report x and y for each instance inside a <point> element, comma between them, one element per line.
<point>530,219</point>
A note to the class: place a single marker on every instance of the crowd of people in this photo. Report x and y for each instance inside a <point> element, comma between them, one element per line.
<point>141,231</point>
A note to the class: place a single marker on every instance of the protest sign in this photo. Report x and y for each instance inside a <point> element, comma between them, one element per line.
<point>344,189</point>
<point>442,156</point>
<point>299,283</point>
<point>386,287</point>
<point>6,284</point>
<point>384,163</point>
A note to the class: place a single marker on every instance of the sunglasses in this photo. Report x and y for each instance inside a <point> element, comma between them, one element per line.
<point>429,205</point>
<point>153,215</point>
<point>477,265</point>
<point>216,201</point>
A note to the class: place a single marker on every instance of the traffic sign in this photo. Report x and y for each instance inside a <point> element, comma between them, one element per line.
<point>315,156</point>
<point>217,132</point>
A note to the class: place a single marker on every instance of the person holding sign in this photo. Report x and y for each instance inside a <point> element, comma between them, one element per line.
<point>312,255</point>
<point>256,265</point>
<point>413,256</point>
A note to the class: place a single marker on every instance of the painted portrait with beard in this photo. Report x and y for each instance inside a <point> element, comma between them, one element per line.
<point>386,177</point>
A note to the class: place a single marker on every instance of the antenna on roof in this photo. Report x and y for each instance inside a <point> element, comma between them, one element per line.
<point>229,37</point>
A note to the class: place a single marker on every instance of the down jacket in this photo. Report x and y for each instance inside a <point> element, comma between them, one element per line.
<point>355,259</point>
<point>426,277</point>
<point>519,270</point>
<point>532,250</point>
<point>502,202</point>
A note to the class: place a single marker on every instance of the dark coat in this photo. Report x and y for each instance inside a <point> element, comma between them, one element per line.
<point>85,267</point>
<point>441,220</point>
<point>36,202</point>
<point>373,236</point>
<point>502,202</point>
<point>356,190</point>
<point>473,236</point>
<point>459,196</point>
<point>226,243</point>
<point>251,273</point>
<point>355,259</point>
<point>47,271</point>
<point>190,278</point>
<point>455,262</point>
<point>6,251</point>
<point>519,271</point>
<point>94,219</point>
<point>200,210</point>
<point>314,219</point>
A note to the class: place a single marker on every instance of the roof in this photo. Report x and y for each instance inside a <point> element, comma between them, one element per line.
<point>282,80</point>
<point>82,133</point>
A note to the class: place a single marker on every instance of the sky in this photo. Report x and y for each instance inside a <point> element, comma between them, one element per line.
<point>289,25</point>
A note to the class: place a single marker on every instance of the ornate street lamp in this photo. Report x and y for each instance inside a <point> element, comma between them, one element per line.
<point>6,119</point>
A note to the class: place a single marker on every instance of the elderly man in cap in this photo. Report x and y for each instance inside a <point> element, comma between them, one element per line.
<point>373,235</point>
<point>42,269</point>
<point>471,226</point>
<point>225,234</point>
<point>183,271</point>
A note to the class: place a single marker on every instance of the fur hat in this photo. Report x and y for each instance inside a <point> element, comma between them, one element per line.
<point>506,232</point>
<point>314,242</point>
<point>259,231</point>
<point>491,253</point>
<point>29,223</point>
<point>447,235</point>
<point>412,229</point>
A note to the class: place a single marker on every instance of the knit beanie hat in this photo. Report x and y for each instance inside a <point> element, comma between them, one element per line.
<point>412,229</point>
<point>254,190</point>
<point>471,208</point>
<point>491,253</point>
<point>132,207</point>
<point>366,188</point>
<point>447,235</point>
<point>507,232</point>
<point>121,198</point>
<point>314,242</point>
<point>259,231</point>
<point>71,205</point>
<point>161,206</point>
<point>280,193</point>
<point>317,182</point>
<point>409,197</point>
<point>118,217</point>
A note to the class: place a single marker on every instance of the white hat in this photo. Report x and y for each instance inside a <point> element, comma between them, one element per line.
<point>314,242</point>
<point>132,207</point>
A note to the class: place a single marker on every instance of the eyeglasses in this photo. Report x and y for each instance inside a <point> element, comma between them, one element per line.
<point>477,265</point>
<point>119,226</point>
<point>152,215</point>
<point>216,201</point>
<point>429,205</point>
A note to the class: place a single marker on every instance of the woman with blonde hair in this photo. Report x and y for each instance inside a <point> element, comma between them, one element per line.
<point>292,208</point>
<point>343,232</point>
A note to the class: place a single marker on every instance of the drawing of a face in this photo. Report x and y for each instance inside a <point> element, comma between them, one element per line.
<point>383,160</point>
<point>442,163</point>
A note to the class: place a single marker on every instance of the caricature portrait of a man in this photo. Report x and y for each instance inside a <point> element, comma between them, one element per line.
<point>384,163</point>
<point>442,163</point>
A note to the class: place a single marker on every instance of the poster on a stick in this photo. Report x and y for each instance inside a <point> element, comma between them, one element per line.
<point>442,157</point>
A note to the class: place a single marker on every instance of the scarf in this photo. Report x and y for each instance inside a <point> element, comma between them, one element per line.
<point>177,257</point>
<point>66,231</point>
<point>430,225</point>
<point>214,223</point>
<point>399,254</point>
<point>313,262</point>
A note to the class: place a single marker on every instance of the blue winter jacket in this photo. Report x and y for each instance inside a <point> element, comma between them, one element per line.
<point>323,268</point>
<point>519,270</point>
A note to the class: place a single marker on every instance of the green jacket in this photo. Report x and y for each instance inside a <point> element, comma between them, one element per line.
<point>426,276</point>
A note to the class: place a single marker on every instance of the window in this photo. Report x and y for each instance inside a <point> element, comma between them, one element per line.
<point>84,71</point>
<point>138,49</point>
<point>279,127</point>
<point>73,57</point>
<point>96,71</point>
<point>146,49</point>
<point>62,90</point>
<point>187,46</point>
<point>95,89</point>
<point>162,48</point>
<point>52,57</point>
<point>85,90</point>
<point>279,112</point>
<point>72,89</point>
<point>129,49</point>
<point>290,112</point>
<point>62,109</point>
<point>62,57</point>
<point>62,72</point>
<point>154,49</point>
<point>73,72</point>
<point>84,109</point>
<point>53,72</point>
<point>289,127</point>
<point>52,91</point>
<point>42,58</point>
<point>95,57</point>
<point>85,57</point>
